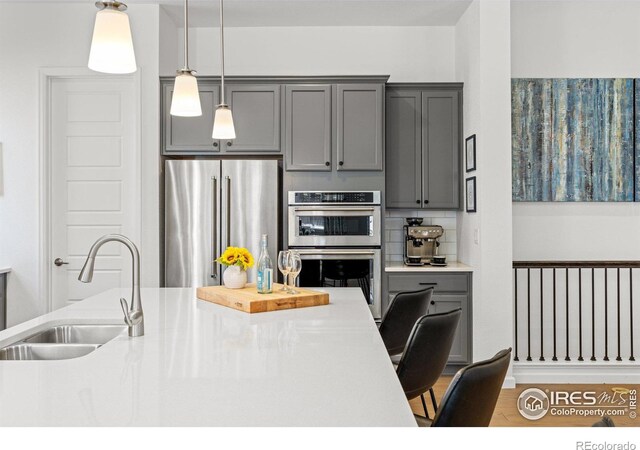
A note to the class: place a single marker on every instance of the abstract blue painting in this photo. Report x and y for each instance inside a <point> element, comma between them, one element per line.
<point>573,140</point>
<point>637,147</point>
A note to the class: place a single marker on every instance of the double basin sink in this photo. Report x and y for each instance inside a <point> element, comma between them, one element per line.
<point>64,341</point>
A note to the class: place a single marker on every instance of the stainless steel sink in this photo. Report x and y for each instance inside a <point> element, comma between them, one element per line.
<point>77,334</point>
<point>64,341</point>
<point>22,352</point>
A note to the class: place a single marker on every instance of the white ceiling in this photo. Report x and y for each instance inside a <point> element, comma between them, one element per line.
<point>255,13</point>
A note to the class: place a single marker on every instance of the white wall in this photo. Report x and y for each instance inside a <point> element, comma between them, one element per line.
<point>33,36</point>
<point>572,39</point>
<point>483,64</point>
<point>406,53</point>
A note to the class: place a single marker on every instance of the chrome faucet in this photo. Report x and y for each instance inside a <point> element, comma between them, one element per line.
<point>133,316</point>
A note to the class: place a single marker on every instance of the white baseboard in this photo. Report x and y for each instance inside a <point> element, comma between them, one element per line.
<point>509,382</point>
<point>561,372</point>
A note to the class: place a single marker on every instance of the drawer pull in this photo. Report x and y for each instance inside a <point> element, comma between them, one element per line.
<point>428,284</point>
<point>433,302</point>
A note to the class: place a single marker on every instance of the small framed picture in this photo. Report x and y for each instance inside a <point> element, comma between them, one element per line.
<point>471,194</point>
<point>470,153</point>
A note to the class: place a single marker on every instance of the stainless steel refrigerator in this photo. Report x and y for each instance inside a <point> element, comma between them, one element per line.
<point>210,205</point>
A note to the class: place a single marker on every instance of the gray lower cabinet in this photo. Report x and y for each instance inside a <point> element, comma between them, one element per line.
<point>187,135</point>
<point>452,290</point>
<point>360,119</point>
<point>423,126</point>
<point>308,127</point>
<point>460,347</point>
<point>256,117</point>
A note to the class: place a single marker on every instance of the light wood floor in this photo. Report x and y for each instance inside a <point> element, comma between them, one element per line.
<point>506,413</point>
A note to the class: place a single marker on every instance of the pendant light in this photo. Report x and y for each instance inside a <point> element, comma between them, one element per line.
<point>111,45</point>
<point>223,121</point>
<point>185,101</point>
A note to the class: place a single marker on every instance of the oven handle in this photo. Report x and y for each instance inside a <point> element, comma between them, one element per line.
<point>344,209</point>
<point>334,252</point>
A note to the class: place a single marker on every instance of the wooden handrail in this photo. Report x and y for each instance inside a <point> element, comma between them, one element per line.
<point>575,264</point>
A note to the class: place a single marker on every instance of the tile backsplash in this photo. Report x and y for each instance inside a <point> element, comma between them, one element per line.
<point>394,234</point>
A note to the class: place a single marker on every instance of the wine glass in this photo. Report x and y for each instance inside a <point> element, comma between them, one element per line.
<point>284,266</point>
<point>295,266</point>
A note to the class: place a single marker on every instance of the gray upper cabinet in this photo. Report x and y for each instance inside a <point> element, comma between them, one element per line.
<point>183,135</point>
<point>360,122</point>
<point>319,123</point>
<point>423,125</point>
<point>440,141</point>
<point>308,127</point>
<point>404,142</point>
<point>256,116</point>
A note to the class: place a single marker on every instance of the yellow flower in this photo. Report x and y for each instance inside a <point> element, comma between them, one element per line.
<point>236,256</point>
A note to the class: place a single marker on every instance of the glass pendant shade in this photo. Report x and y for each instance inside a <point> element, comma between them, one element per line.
<point>185,101</point>
<point>223,124</point>
<point>112,45</point>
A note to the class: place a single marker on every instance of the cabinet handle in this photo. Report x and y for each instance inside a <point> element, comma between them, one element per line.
<point>426,202</point>
<point>428,284</point>
<point>327,164</point>
<point>215,144</point>
<point>433,302</point>
<point>341,163</point>
<point>229,143</point>
<point>418,202</point>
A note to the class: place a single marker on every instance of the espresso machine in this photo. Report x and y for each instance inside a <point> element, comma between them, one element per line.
<point>421,243</point>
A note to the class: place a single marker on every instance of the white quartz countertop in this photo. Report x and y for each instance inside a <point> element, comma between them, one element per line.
<point>201,364</point>
<point>450,267</point>
<point>4,269</point>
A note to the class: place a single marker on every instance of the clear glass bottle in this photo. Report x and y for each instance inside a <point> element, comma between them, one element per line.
<point>265,268</point>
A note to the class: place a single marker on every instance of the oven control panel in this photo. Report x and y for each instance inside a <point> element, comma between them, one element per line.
<point>334,197</point>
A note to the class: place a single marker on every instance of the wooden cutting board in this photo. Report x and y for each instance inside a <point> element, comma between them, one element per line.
<point>248,300</point>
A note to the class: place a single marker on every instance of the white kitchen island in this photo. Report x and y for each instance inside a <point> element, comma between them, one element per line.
<point>201,364</point>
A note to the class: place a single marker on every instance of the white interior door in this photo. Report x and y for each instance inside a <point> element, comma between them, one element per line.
<point>93,167</point>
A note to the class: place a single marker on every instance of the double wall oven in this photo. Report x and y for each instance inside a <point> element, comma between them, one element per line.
<point>338,236</point>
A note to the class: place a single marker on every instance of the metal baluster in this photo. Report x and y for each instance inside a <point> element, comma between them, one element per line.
<point>606,315</point>
<point>593,314</point>
<point>566,358</point>
<point>515,270</point>
<point>618,358</point>
<point>541,316</point>
<point>631,358</point>
<point>580,358</point>
<point>555,326</point>
<point>528,314</point>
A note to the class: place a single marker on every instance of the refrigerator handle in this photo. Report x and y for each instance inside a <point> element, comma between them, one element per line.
<point>214,231</point>
<point>228,211</point>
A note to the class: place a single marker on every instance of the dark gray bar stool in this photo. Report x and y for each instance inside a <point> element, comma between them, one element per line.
<point>426,353</point>
<point>472,395</point>
<point>403,312</point>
